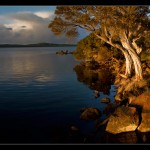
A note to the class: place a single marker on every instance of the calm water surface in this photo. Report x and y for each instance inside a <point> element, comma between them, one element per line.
<point>40,95</point>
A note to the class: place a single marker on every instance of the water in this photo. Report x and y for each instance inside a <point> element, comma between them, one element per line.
<point>40,95</point>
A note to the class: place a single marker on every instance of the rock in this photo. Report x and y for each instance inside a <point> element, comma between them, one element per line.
<point>62,52</point>
<point>74,128</point>
<point>101,123</point>
<point>145,122</point>
<point>105,100</point>
<point>143,101</point>
<point>109,108</point>
<point>90,114</point>
<point>124,119</point>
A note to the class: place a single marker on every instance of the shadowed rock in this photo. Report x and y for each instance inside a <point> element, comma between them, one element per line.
<point>109,108</point>
<point>90,113</point>
<point>124,119</point>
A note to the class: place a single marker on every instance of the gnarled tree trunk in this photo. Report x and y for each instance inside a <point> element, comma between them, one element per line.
<point>129,54</point>
<point>137,65</point>
<point>133,54</point>
<point>128,63</point>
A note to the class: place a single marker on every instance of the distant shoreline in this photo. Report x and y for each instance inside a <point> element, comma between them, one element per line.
<point>36,45</point>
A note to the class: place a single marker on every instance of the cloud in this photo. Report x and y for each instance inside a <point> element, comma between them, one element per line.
<point>28,27</point>
<point>8,28</point>
<point>44,14</point>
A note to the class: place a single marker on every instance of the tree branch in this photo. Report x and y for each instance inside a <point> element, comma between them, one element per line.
<point>135,46</point>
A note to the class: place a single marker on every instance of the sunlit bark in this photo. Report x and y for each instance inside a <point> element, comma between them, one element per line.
<point>134,55</point>
<point>138,49</point>
<point>126,24</point>
<point>127,56</point>
<point>128,64</point>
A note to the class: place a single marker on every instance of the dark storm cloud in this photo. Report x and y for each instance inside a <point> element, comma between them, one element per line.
<point>2,27</point>
<point>27,27</point>
<point>8,28</point>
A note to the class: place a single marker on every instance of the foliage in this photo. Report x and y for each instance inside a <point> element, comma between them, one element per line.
<point>88,47</point>
<point>122,27</point>
<point>92,48</point>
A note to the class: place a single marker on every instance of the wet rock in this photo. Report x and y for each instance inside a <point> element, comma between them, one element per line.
<point>109,108</point>
<point>90,114</point>
<point>105,100</point>
<point>124,119</point>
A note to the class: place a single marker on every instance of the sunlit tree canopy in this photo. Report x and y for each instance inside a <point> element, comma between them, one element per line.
<point>119,26</point>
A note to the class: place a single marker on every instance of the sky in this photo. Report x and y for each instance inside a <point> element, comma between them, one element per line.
<point>29,24</point>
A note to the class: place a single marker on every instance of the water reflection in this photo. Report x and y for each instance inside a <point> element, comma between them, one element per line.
<point>33,85</point>
<point>98,79</point>
<point>101,80</point>
<point>25,67</point>
<point>44,78</point>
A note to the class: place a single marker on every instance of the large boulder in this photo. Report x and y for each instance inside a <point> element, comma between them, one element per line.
<point>124,119</point>
<point>110,108</point>
<point>143,101</point>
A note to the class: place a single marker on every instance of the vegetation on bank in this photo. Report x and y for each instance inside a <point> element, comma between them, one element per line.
<point>93,49</point>
<point>119,36</point>
<point>118,42</point>
<point>121,27</point>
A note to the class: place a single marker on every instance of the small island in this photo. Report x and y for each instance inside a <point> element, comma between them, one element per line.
<point>64,52</point>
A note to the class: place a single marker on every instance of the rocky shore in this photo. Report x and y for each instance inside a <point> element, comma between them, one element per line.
<point>128,117</point>
<point>64,52</point>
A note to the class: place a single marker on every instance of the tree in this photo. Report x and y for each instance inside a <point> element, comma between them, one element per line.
<point>88,47</point>
<point>119,26</point>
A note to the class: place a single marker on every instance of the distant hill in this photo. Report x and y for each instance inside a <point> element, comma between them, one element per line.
<point>36,45</point>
